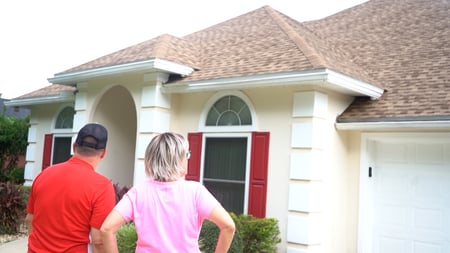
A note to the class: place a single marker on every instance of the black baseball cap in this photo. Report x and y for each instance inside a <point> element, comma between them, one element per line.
<point>96,131</point>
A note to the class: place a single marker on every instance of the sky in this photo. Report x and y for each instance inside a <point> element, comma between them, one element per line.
<point>45,37</point>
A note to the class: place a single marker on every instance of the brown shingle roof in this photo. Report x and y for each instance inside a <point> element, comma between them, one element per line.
<point>403,43</point>
<point>266,41</point>
<point>53,89</point>
<point>165,47</point>
<point>259,42</point>
<point>400,45</point>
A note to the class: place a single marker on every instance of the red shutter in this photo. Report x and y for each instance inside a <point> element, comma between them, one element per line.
<point>47,154</point>
<point>258,174</point>
<point>195,145</point>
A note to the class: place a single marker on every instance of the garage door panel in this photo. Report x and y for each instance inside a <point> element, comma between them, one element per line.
<point>391,244</point>
<point>392,215</point>
<point>392,153</point>
<point>392,183</point>
<point>430,154</point>
<point>424,247</point>
<point>411,197</point>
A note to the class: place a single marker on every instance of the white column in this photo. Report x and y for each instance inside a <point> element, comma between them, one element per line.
<point>153,118</point>
<point>305,185</point>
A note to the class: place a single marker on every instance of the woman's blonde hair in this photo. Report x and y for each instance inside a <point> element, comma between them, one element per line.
<point>164,157</point>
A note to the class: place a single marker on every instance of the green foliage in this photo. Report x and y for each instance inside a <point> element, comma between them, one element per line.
<point>258,234</point>
<point>17,175</point>
<point>209,235</point>
<point>13,142</point>
<point>12,208</point>
<point>126,238</point>
<point>253,235</point>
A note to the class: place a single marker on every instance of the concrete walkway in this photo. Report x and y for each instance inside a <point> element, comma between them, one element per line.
<point>16,246</point>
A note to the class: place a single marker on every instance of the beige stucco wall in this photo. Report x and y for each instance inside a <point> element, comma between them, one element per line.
<point>273,110</point>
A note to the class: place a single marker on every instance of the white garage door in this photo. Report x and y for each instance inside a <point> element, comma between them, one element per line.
<point>411,196</point>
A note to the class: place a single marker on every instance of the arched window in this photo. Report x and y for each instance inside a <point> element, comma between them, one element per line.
<point>223,152</point>
<point>229,111</point>
<point>65,118</point>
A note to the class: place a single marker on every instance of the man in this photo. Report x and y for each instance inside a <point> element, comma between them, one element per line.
<point>69,201</point>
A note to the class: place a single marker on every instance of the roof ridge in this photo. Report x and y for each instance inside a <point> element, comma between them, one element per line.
<point>309,51</point>
<point>161,44</point>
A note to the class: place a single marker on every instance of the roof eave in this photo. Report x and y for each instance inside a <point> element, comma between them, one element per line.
<point>62,97</point>
<point>322,77</point>
<point>383,125</point>
<point>152,65</point>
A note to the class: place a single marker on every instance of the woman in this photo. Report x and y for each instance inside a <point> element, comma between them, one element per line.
<point>167,210</point>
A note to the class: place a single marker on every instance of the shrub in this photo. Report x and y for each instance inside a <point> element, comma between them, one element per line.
<point>209,235</point>
<point>126,238</point>
<point>16,175</point>
<point>258,234</point>
<point>12,206</point>
<point>13,142</point>
<point>253,235</point>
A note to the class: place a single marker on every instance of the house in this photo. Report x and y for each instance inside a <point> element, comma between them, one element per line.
<point>339,127</point>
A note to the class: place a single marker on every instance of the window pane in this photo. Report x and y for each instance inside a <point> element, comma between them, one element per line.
<point>236,104</point>
<point>228,119</point>
<point>225,158</point>
<point>223,104</point>
<point>245,116</point>
<point>65,118</point>
<point>211,119</point>
<point>230,195</point>
<point>229,111</point>
<point>61,149</point>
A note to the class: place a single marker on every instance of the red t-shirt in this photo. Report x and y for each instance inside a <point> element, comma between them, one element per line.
<point>66,200</point>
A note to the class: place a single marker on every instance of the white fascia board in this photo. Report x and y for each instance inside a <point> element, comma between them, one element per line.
<point>348,83</point>
<point>393,125</point>
<point>62,97</point>
<point>152,65</point>
<point>334,80</point>
<point>265,80</point>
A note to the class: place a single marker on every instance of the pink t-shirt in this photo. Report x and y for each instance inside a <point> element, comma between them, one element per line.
<point>168,215</point>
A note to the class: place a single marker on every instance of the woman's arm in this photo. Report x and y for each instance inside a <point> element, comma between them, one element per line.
<point>223,220</point>
<point>108,230</point>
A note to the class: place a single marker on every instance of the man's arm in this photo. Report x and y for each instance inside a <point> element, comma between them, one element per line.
<point>96,241</point>
<point>29,221</point>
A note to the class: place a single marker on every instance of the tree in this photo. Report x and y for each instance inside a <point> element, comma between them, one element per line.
<point>13,142</point>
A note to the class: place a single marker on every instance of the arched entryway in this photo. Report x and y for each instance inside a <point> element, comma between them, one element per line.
<point>116,110</point>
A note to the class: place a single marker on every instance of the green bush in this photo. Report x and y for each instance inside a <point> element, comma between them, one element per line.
<point>253,235</point>
<point>12,206</point>
<point>16,175</point>
<point>126,238</point>
<point>209,235</point>
<point>258,234</point>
